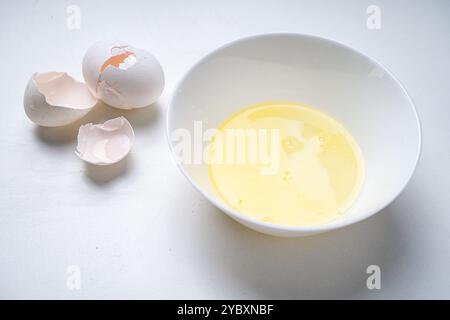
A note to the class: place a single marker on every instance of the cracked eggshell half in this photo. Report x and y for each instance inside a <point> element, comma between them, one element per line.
<point>123,76</point>
<point>106,143</point>
<point>55,99</point>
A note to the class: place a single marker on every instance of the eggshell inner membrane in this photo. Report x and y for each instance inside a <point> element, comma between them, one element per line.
<point>62,90</point>
<point>106,143</point>
<point>122,61</point>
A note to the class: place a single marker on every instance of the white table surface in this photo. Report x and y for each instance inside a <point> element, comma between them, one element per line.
<point>139,230</point>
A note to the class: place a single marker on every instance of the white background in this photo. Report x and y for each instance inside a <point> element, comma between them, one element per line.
<point>139,230</point>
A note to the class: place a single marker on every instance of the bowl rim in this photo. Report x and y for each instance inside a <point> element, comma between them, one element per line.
<point>249,221</point>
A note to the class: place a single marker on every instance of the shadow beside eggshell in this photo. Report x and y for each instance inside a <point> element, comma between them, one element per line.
<point>102,175</point>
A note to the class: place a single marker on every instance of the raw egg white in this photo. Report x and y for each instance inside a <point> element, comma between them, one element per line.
<point>122,76</point>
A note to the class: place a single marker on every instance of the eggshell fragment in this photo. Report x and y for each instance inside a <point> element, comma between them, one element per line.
<point>55,99</point>
<point>123,76</point>
<point>107,143</point>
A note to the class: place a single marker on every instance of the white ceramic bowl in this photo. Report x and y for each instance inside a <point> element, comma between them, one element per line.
<point>353,88</point>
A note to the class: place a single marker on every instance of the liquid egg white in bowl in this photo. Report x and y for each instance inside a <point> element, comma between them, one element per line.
<point>347,85</point>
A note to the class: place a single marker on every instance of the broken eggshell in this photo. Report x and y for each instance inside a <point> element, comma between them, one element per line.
<point>123,76</point>
<point>55,99</point>
<point>106,143</point>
